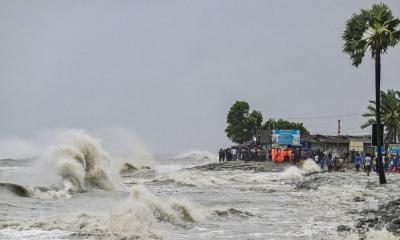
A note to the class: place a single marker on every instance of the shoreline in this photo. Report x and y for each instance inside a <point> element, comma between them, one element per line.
<point>256,166</point>
<point>387,215</point>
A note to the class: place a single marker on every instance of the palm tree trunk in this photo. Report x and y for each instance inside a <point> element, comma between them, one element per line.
<point>381,170</point>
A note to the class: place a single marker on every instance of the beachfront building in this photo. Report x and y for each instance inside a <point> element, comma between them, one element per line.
<point>325,143</point>
<point>337,144</point>
<point>361,144</point>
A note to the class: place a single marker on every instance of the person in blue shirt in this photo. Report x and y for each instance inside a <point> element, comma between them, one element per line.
<point>357,162</point>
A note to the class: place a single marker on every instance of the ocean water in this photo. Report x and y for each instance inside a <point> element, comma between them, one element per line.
<point>75,190</point>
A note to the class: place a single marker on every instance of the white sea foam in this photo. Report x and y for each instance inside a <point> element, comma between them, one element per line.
<point>374,234</point>
<point>309,166</point>
<point>195,178</point>
<point>166,210</point>
<point>291,172</point>
<point>142,215</point>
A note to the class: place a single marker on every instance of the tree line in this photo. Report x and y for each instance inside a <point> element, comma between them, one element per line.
<point>390,115</point>
<point>243,124</point>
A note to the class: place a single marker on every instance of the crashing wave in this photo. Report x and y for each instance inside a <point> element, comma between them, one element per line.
<point>170,210</point>
<point>141,216</point>
<point>77,164</point>
<point>291,173</point>
<point>309,166</point>
<point>83,163</point>
<point>197,155</point>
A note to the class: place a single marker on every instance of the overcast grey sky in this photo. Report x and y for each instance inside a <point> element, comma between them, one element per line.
<point>170,70</point>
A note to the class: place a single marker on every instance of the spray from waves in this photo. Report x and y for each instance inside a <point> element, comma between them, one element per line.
<point>291,173</point>
<point>76,164</point>
<point>83,161</point>
<point>126,149</point>
<point>309,166</point>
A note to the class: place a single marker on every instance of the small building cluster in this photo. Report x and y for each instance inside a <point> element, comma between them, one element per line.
<point>337,144</point>
<point>343,146</point>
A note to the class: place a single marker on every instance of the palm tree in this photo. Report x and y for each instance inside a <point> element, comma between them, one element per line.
<point>374,29</point>
<point>390,114</point>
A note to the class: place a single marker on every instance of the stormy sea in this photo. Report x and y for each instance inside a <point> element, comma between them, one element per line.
<point>76,189</point>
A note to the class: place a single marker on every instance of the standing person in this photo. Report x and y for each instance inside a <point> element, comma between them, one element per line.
<point>220,155</point>
<point>340,164</point>
<point>368,163</point>
<point>330,163</point>
<point>322,160</point>
<point>357,162</point>
<point>227,154</point>
<point>334,164</point>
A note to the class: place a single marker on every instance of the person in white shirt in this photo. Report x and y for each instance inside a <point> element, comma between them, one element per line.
<point>368,163</point>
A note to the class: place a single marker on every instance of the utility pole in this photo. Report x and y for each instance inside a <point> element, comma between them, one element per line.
<point>379,134</point>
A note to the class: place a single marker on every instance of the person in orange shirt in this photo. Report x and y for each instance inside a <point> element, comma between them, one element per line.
<point>290,155</point>
<point>273,154</point>
<point>277,155</point>
<point>282,156</point>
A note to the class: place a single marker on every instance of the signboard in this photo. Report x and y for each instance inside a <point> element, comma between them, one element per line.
<point>285,136</point>
<point>356,146</point>
<point>394,148</point>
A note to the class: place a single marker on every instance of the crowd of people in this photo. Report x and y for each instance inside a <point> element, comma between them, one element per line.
<point>326,160</point>
<point>242,153</point>
<point>366,162</point>
<point>369,162</point>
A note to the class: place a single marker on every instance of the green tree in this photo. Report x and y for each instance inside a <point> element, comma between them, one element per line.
<point>242,126</point>
<point>284,124</point>
<point>374,29</point>
<point>390,114</point>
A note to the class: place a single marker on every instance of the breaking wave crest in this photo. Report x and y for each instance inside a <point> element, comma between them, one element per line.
<point>83,163</point>
<point>309,166</point>
<point>15,189</point>
<point>141,216</point>
<point>293,172</point>
<point>167,210</point>
<point>77,164</point>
